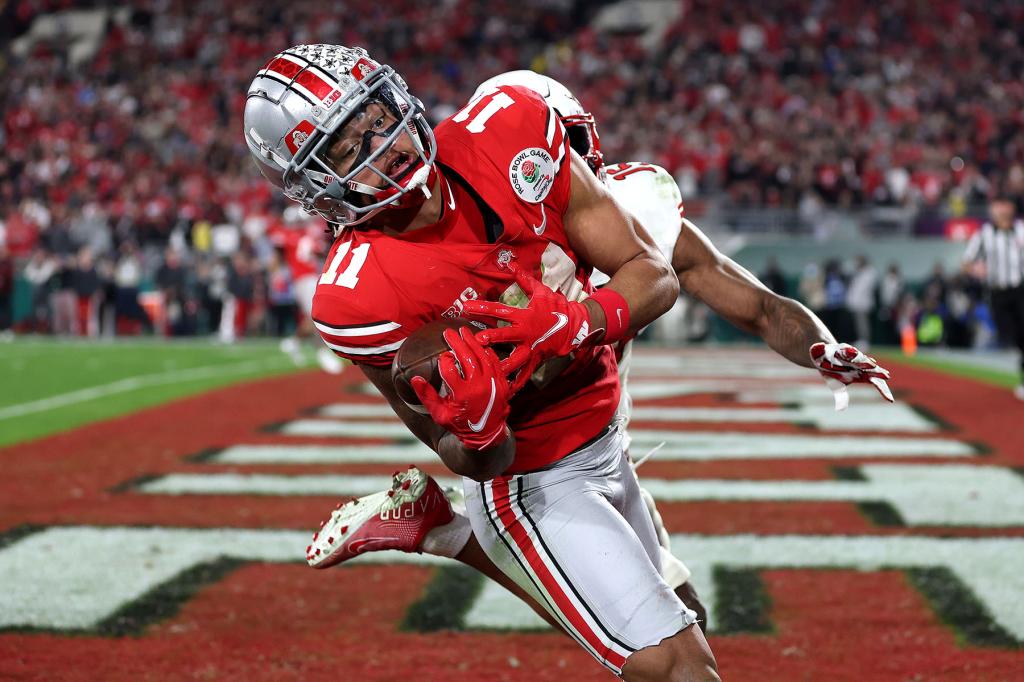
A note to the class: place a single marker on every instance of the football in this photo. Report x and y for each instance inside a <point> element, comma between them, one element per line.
<point>418,357</point>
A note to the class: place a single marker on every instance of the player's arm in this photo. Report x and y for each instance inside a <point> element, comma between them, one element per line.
<point>480,465</point>
<point>603,234</point>
<point>608,237</point>
<point>790,329</point>
<point>729,289</point>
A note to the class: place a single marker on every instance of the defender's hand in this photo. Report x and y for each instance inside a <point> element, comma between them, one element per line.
<point>475,405</point>
<point>841,364</point>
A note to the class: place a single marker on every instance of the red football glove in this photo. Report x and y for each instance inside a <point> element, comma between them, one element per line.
<point>550,326</point>
<point>841,364</point>
<point>475,406</point>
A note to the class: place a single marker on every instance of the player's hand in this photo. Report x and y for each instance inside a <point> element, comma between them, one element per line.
<point>550,326</point>
<point>841,365</point>
<point>475,405</point>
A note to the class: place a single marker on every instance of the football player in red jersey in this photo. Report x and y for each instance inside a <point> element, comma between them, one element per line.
<point>649,192</point>
<point>493,206</point>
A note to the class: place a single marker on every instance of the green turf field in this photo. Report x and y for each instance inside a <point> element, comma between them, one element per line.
<point>971,370</point>
<point>50,385</point>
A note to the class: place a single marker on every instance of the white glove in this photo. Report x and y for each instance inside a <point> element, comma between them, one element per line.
<point>840,364</point>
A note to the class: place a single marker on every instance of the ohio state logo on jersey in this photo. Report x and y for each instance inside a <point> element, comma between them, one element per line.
<point>532,174</point>
<point>505,257</point>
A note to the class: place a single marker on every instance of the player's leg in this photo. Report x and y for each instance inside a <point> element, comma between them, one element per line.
<point>559,535</point>
<point>413,515</point>
<point>640,511</point>
<point>1005,310</point>
<point>673,570</point>
<point>1018,335</point>
<point>686,654</point>
<point>474,556</point>
<point>682,657</point>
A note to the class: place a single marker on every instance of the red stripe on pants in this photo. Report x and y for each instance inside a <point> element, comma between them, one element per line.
<point>503,507</point>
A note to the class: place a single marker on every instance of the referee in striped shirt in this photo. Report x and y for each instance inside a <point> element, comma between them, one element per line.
<point>999,245</point>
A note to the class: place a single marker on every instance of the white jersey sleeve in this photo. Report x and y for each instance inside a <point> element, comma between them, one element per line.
<point>650,193</point>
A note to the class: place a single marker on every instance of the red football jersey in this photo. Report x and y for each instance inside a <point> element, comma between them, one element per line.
<point>303,248</point>
<point>505,182</point>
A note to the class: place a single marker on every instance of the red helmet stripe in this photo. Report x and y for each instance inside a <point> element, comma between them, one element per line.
<point>307,78</point>
<point>315,84</point>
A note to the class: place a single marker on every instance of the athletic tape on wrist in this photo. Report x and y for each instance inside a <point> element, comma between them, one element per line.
<point>616,314</point>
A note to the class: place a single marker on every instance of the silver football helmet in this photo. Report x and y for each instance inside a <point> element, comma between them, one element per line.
<point>301,103</point>
<point>579,123</point>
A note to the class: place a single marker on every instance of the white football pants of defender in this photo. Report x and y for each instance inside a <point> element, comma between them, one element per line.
<point>578,538</point>
<point>673,570</point>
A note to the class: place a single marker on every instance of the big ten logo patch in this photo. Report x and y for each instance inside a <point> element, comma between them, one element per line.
<point>532,173</point>
<point>455,309</point>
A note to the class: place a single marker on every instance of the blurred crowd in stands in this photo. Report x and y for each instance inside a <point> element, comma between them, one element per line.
<point>786,101</point>
<point>866,305</point>
<point>76,289</point>
<point>124,173</point>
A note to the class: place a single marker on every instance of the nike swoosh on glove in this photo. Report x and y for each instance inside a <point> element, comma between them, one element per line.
<point>841,364</point>
<point>475,405</point>
<point>550,326</point>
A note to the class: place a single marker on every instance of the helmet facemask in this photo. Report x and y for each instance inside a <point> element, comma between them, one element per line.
<point>359,189</point>
<point>300,102</point>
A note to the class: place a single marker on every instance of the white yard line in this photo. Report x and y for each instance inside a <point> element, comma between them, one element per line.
<point>135,383</point>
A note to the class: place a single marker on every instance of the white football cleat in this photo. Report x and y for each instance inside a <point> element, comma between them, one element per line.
<point>397,518</point>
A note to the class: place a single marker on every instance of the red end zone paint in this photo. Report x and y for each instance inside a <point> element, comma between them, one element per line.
<point>275,621</point>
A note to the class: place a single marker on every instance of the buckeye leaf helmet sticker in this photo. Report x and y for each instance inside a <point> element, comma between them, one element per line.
<point>532,173</point>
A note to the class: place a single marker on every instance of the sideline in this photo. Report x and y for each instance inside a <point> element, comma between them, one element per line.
<point>47,341</point>
<point>135,383</point>
<point>982,367</point>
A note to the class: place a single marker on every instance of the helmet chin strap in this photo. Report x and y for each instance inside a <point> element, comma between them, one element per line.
<point>399,215</point>
<point>419,179</point>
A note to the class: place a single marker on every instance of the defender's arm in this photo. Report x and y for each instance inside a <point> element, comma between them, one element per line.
<point>789,328</point>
